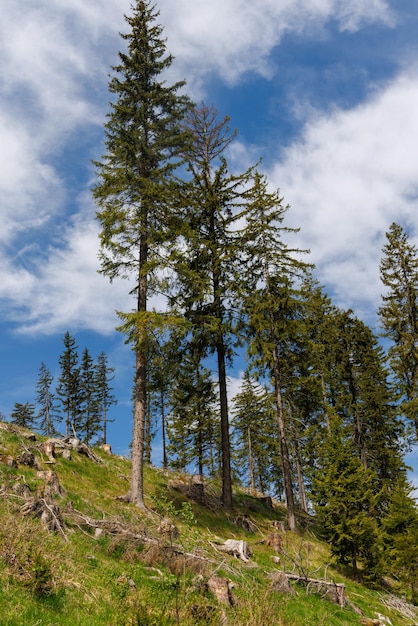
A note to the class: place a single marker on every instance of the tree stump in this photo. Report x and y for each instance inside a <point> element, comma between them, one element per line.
<point>237,548</point>
<point>221,589</point>
<point>49,449</point>
<point>52,484</point>
<point>275,541</point>
<point>168,530</point>
<point>27,458</point>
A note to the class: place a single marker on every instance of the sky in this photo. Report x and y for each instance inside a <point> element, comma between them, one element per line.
<point>325,92</point>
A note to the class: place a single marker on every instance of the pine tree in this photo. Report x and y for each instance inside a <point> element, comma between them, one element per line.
<point>23,415</point>
<point>205,264</point>
<point>194,413</point>
<point>104,374</point>
<point>346,499</point>
<point>270,302</point>
<point>399,315</point>
<point>143,140</point>
<point>89,422</point>
<point>46,400</point>
<point>256,453</point>
<point>68,388</point>
<point>400,535</point>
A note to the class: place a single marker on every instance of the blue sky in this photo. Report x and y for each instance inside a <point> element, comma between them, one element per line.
<point>325,91</point>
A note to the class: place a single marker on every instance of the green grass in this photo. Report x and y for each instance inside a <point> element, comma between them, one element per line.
<point>46,580</point>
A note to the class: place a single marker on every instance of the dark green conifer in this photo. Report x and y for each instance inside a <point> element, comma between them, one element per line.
<point>134,194</point>
<point>399,315</point>
<point>46,400</point>
<point>23,415</point>
<point>68,388</point>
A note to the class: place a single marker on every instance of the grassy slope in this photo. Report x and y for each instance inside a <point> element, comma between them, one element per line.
<point>47,579</point>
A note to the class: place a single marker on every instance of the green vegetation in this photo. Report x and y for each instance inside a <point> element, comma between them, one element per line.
<point>111,563</point>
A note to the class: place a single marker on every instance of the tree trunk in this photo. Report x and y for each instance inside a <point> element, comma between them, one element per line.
<point>225,444</point>
<point>301,482</point>
<point>251,461</point>
<point>284,451</point>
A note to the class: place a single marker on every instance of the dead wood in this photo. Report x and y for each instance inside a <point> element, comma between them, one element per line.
<point>402,606</point>
<point>234,547</point>
<point>244,522</point>
<point>52,485</point>
<point>29,459</point>
<point>275,541</point>
<point>221,589</point>
<point>280,583</point>
<point>335,592</point>
<point>279,525</point>
<point>53,445</point>
<point>48,512</point>
<point>168,530</point>
<point>9,460</point>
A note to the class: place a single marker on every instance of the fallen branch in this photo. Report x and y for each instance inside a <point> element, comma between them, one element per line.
<point>335,592</point>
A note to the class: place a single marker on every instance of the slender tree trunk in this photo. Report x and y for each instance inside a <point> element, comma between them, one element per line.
<point>284,450</point>
<point>165,462</point>
<point>225,443</point>
<point>136,493</point>
<point>325,402</point>
<point>251,461</point>
<point>301,482</point>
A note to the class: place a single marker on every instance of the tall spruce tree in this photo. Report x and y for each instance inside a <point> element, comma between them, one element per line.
<point>399,315</point>
<point>143,140</point>
<point>46,400</point>
<point>206,262</point>
<point>270,301</point>
<point>68,388</point>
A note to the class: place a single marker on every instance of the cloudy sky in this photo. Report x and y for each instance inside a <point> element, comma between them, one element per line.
<point>324,91</point>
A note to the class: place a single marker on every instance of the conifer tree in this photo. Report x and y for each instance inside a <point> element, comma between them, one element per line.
<point>89,422</point>
<point>205,264</point>
<point>68,388</point>
<point>400,535</point>
<point>23,415</point>
<point>46,400</point>
<point>104,374</point>
<point>194,413</point>
<point>143,140</point>
<point>346,500</point>
<point>399,315</point>
<point>270,302</point>
<point>256,452</point>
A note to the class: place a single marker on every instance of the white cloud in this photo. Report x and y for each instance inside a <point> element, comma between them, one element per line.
<point>234,37</point>
<point>349,176</point>
<point>55,58</point>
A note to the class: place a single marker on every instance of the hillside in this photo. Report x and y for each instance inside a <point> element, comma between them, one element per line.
<point>71,553</point>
